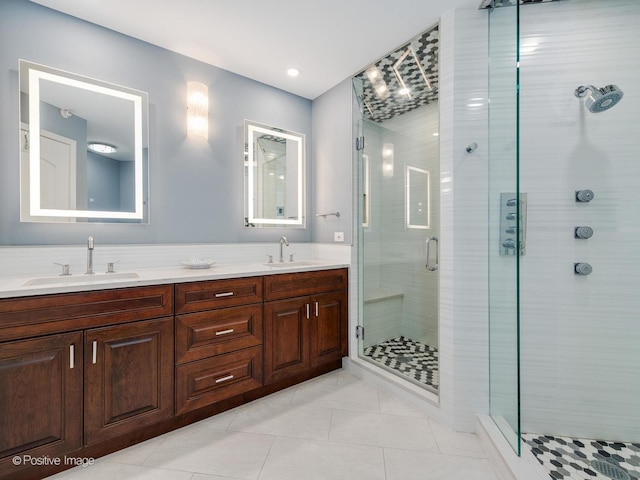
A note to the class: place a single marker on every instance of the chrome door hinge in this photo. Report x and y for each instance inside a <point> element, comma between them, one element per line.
<point>360,143</point>
<point>360,332</point>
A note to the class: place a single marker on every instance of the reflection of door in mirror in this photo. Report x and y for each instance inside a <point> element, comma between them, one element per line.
<point>57,174</point>
<point>271,162</point>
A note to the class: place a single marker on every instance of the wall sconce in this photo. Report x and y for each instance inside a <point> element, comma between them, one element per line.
<point>197,109</point>
<point>387,160</point>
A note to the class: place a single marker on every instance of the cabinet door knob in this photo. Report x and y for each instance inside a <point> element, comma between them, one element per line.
<point>317,314</point>
<point>71,356</point>
<point>94,358</point>
<point>308,316</point>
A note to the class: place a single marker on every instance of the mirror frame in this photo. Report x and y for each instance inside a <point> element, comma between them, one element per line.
<point>252,131</point>
<point>139,100</point>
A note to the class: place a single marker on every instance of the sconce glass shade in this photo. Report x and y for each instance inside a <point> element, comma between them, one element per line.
<point>197,109</point>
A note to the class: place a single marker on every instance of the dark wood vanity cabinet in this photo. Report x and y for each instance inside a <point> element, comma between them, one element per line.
<point>65,385</point>
<point>219,335</point>
<point>307,329</point>
<point>84,374</point>
<point>40,396</point>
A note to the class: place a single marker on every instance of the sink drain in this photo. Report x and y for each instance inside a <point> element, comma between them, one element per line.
<point>610,470</point>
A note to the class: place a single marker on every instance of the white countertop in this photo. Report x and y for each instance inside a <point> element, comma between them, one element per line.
<point>17,285</point>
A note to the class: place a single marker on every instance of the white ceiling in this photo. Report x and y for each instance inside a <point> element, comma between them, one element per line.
<point>328,40</point>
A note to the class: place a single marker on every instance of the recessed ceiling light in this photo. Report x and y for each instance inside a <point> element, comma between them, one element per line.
<point>293,72</point>
<point>99,147</point>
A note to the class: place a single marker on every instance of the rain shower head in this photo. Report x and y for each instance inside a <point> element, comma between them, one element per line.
<point>600,99</point>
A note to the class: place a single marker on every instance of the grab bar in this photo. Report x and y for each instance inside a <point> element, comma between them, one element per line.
<point>432,268</point>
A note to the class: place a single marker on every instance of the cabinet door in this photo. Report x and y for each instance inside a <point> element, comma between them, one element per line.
<point>128,377</point>
<point>329,327</point>
<point>40,398</point>
<point>286,341</point>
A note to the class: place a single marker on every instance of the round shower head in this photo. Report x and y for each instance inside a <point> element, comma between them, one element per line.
<point>600,99</point>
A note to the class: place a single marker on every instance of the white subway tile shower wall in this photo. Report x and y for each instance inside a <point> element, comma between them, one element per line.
<point>580,335</point>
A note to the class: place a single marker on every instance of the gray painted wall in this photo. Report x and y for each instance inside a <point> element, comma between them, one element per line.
<point>332,167</point>
<point>196,186</point>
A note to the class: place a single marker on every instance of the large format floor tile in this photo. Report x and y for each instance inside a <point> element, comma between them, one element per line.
<point>334,427</point>
<point>292,459</point>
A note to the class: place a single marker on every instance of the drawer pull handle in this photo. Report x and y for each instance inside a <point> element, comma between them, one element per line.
<point>71,356</point>
<point>224,332</point>
<point>226,294</point>
<point>95,352</point>
<point>224,379</point>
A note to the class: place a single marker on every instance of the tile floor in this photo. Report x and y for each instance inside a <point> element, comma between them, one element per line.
<point>415,360</point>
<point>568,458</point>
<point>334,427</point>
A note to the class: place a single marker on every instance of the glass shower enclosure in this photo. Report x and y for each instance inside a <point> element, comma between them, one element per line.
<point>396,117</point>
<point>565,330</point>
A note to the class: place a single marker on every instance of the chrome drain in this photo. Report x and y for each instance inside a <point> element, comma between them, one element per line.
<point>610,470</point>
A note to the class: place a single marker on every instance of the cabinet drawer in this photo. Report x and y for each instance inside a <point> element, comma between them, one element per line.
<point>208,381</point>
<point>44,314</point>
<point>199,296</point>
<point>204,334</point>
<point>287,285</point>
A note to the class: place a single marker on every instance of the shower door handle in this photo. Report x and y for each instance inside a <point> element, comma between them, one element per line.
<point>432,267</point>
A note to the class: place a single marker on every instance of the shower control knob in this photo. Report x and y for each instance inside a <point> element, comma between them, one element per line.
<point>509,243</point>
<point>584,196</point>
<point>582,268</point>
<point>583,232</point>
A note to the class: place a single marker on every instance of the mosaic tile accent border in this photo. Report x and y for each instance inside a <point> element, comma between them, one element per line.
<point>412,359</point>
<point>510,3</point>
<point>572,458</point>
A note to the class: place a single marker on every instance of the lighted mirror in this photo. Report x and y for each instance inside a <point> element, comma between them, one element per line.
<point>83,148</point>
<point>274,177</point>
<point>417,197</point>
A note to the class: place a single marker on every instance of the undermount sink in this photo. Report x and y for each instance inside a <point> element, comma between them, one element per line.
<point>292,264</point>
<point>66,279</point>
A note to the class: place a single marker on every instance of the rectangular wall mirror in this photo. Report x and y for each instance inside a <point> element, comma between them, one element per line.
<point>83,148</point>
<point>417,198</point>
<point>274,177</point>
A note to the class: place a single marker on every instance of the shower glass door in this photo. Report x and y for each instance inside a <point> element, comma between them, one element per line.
<point>400,310</point>
<point>399,211</point>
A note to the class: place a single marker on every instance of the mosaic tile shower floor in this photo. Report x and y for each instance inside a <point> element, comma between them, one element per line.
<point>412,359</point>
<point>572,458</point>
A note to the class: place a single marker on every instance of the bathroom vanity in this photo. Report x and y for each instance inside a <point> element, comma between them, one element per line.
<point>86,373</point>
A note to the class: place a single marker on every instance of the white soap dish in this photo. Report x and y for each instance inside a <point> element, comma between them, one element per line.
<point>197,262</point>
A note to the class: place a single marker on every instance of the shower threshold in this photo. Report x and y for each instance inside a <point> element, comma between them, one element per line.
<point>567,458</point>
<point>408,358</point>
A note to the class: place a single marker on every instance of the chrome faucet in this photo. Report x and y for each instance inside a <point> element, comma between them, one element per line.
<point>283,241</point>
<point>90,256</point>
